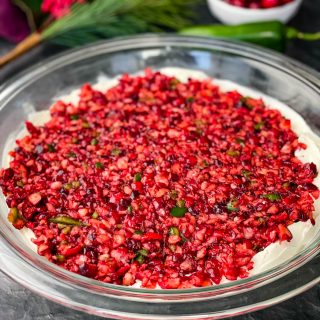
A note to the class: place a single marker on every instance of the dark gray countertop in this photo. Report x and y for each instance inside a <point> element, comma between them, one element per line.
<point>17,303</point>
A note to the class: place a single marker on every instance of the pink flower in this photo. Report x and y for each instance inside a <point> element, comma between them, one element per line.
<point>58,8</point>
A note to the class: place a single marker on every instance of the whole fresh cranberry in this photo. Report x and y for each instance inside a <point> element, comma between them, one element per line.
<point>258,4</point>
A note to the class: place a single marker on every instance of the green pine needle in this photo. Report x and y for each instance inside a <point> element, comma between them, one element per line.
<point>109,18</point>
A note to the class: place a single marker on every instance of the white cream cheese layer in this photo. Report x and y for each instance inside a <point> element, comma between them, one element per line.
<point>303,233</point>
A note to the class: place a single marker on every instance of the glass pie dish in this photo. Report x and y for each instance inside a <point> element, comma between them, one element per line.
<point>262,70</point>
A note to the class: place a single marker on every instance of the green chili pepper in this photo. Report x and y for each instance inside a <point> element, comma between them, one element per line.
<point>261,220</point>
<point>173,194</point>
<point>71,154</point>
<point>256,248</point>
<point>190,99</point>
<point>51,147</point>
<point>246,173</point>
<point>66,220</point>
<point>174,83</point>
<point>137,177</point>
<point>233,153</point>
<point>71,185</point>
<point>13,215</point>
<point>99,165</point>
<point>140,259</point>
<point>205,164</point>
<point>258,126</point>
<point>143,252</point>
<point>178,212</point>
<point>231,206</point>
<point>94,142</point>
<point>60,258</point>
<point>174,231</point>
<point>95,215</point>
<point>269,34</point>
<point>75,184</point>
<point>67,186</point>
<point>244,101</point>
<point>240,141</point>
<point>272,196</point>
<point>181,203</point>
<point>66,230</point>
<point>85,124</point>
<point>115,152</point>
<point>140,255</point>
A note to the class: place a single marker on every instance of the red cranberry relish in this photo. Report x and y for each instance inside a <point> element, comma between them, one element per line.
<point>175,184</point>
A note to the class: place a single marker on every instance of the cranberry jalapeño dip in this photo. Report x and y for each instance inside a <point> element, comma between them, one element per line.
<point>166,179</point>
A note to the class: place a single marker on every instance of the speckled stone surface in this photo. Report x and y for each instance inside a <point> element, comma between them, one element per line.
<point>17,303</point>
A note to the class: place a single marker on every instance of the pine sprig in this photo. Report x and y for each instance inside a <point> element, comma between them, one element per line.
<point>76,37</point>
<point>108,18</point>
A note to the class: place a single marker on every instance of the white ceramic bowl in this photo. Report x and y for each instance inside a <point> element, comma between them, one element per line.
<point>230,14</point>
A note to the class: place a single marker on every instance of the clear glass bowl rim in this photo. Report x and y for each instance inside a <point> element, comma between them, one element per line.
<point>275,60</point>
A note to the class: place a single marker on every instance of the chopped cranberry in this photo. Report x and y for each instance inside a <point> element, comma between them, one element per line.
<point>31,128</point>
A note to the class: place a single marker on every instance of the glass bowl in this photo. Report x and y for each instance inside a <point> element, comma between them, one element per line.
<point>34,90</point>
